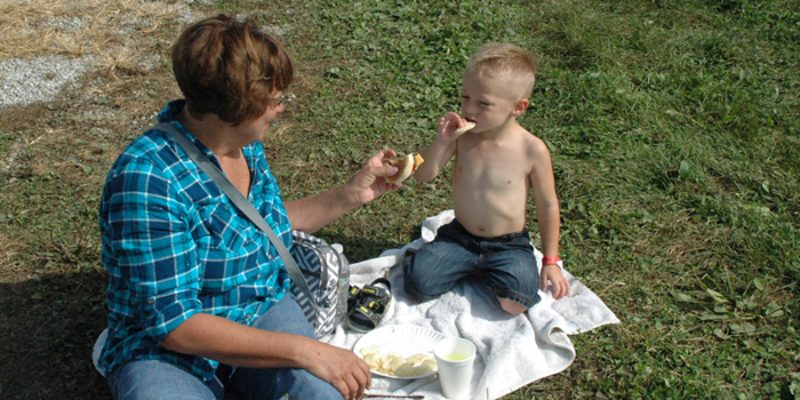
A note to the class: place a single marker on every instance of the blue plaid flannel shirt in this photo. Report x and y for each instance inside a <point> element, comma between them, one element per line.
<point>174,246</point>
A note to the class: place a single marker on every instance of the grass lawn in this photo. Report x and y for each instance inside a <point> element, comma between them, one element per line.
<point>674,129</point>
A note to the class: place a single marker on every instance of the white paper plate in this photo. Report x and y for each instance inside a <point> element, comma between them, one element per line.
<point>405,340</point>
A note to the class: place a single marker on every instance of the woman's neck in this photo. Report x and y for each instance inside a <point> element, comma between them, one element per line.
<point>219,136</point>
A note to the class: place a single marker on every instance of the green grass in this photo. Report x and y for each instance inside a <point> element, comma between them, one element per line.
<point>675,137</point>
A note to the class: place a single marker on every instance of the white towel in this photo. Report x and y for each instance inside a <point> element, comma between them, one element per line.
<point>512,351</point>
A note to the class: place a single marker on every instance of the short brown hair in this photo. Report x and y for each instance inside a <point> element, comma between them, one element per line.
<point>229,68</point>
<point>505,60</point>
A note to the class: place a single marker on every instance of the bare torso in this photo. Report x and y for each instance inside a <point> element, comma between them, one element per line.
<point>491,182</point>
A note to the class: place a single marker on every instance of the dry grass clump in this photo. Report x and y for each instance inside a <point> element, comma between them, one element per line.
<point>123,42</point>
<point>10,266</point>
<point>114,33</point>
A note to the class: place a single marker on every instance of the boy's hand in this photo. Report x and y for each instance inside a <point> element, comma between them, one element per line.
<point>448,126</point>
<point>552,274</point>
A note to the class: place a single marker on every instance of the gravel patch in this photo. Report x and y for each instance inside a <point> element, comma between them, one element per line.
<point>39,79</point>
<point>64,23</point>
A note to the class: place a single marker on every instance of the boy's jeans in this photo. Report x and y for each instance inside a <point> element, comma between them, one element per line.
<point>154,379</point>
<point>504,264</point>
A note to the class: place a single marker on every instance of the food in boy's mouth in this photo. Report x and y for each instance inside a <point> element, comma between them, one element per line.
<point>467,126</point>
<point>406,166</point>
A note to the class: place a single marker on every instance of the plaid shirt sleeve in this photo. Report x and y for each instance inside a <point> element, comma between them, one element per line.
<point>151,239</point>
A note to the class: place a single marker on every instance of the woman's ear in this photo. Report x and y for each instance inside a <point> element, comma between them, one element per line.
<point>520,107</point>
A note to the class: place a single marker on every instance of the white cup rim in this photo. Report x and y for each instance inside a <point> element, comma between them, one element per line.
<point>438,350</point>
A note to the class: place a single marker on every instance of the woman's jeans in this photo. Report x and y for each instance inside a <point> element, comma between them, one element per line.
<point>154,379</point>
<point>505,264</point>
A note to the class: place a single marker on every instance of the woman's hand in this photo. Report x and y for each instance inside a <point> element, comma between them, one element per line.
<point>368,183</point>
<point>312,213</point>
<point>341,368</point>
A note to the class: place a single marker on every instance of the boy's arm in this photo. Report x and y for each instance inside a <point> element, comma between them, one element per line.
<point>439,152</point>
<point>548,212</point>
<point>436,156</point>
<point>544,190</point>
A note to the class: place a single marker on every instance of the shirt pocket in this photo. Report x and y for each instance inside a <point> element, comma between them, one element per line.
<point>232,233</point>
<point>230,252</point>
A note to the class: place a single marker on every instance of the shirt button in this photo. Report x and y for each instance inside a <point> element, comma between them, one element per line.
<point>248,316</point>
<point>151,301</point>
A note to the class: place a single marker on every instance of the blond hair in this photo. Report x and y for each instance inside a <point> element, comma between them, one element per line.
<point>505,60</point>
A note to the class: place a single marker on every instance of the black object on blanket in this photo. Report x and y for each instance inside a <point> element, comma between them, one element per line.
<point>367,306</point>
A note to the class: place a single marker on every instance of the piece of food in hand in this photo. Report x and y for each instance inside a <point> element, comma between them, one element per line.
<point>467,126</point>
<point>406,166</point>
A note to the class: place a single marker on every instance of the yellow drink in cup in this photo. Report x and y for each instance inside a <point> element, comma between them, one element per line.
<point>456,356</point>
<point>454,359</point>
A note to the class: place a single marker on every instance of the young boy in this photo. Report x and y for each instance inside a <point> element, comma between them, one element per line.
<point>496,164</point>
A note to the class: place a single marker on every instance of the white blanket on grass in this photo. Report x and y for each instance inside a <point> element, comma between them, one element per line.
<point>512,351</point>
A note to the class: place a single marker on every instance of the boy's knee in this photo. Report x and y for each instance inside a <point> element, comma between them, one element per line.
<point>411,279</point>
<point>415,288</point>
<point>418,288</point>
<point>420,282</point>
<point>511,306</point>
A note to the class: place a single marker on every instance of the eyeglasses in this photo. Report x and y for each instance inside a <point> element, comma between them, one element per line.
<point>286,98</point>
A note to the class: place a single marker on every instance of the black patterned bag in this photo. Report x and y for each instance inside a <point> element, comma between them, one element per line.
<point>327,273</point>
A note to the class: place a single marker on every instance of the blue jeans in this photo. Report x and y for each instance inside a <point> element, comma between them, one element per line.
<point>155,379</point>
<point>504,264</point>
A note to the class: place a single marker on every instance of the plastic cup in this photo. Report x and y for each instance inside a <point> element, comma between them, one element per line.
<point>454,359</point>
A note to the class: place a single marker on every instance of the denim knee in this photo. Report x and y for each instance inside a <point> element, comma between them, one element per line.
<point>409,278</point>
<point>414,292</point>
<point>416,282</point>
<point>155,379</point>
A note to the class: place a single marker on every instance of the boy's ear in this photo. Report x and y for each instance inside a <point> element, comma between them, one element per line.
<point>520,107</point>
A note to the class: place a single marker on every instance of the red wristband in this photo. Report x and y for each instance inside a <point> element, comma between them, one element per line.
<point>552,260</point>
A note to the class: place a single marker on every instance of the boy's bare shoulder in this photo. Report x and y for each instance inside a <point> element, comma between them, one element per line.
<point>535,146</point>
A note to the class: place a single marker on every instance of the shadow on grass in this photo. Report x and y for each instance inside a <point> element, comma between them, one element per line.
<point>49,325</point>
<point>358,249</point>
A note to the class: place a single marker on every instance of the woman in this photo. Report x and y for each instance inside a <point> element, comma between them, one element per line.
<point>197,296</point>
